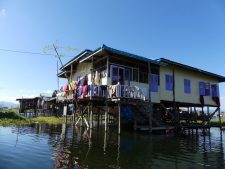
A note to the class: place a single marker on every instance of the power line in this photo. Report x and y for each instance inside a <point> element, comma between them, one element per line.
<point>26,52</point>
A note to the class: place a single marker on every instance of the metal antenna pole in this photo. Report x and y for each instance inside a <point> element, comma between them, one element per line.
<point>57,74</point>
<point>57,54</point>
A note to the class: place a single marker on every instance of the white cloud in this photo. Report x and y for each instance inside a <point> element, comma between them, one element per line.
<point>3,12</point>
<point>8,99</point>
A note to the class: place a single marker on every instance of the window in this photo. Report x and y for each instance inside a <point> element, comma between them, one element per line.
<point>207,89</point>
<point>143,77</point>
<point>127,74</point>
<point>215,90</point>
<point>135,75</point>
<point>154,83</point>
<point>202,88</point>
<point>115,71</point>
<point>169,82</point>
<point>187,86</point>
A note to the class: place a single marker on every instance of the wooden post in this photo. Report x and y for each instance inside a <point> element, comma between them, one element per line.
<point>149,98</point>
<point>219,118</point>
<point>92,81</point>
<point>208,110</point>
<point>135,123</point>
<point>174,100</point>
<point>106,115</point>
<point>98,114</point>
<point>91,116</point>
<point>119,125</point>
<point>71,71</point>
<point>88,114</point>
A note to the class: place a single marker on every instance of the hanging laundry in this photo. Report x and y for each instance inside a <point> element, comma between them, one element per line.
<point>66,89</point>
<point>83,81</point>
<point>104,90</point>
<point>113,90</point>
<point>97,78</point>
<point>84,90</point>
<point>72,85</point>
<point>79,91</point>
<point>95,90</point>
<point>76,90</point>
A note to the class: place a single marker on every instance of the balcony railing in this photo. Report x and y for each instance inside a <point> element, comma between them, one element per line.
<point>104,91</point>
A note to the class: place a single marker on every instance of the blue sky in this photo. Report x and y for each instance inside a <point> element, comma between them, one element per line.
<point>187,31</point>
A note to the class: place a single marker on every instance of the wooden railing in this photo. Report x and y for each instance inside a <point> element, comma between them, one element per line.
<point>104,91</point>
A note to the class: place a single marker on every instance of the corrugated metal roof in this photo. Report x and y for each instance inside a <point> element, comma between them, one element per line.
<point>120,52</point>
<point>219,77</point>
<point>88,53</point>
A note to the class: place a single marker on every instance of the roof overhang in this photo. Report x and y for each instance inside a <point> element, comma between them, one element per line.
<point>75,59</point>
<point>64,74</point>
<point>219,77</point>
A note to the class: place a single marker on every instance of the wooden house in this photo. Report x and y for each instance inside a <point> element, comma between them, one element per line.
<point>138,86</point>
<point>41,105</point>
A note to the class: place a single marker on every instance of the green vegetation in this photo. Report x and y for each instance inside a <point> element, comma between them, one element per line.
<point>216,123</point>
<point>50,120</point>
<point>9,110</point>
<point>14,119</point>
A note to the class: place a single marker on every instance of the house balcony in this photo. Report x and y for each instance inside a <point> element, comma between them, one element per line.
<point>110,92</point>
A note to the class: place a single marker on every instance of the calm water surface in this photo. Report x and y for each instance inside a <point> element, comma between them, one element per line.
<point>51,146</point>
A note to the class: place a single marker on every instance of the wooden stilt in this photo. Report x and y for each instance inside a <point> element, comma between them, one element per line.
<point>149,98</point>
<point>91,116</point>
<point>220,118</point>
<point>150,118</point>
<point>106,115</point>
<point>135,123</point>
<point>105,139</point>
<point>98,116</point>
<point>119,125</point>
<point>88,114</point>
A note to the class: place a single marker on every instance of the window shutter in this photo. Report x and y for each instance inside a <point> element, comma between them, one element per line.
<point>202,88</point>
<point>154,83</point>
<point>215,90</point>
<point>207,89</point>
<point>187,86</point>
<point>169,82</point>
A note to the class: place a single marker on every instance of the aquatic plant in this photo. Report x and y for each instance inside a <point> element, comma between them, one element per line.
<point>14,119</point>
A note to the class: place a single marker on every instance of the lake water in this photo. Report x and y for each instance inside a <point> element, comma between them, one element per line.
<point>60,146</point>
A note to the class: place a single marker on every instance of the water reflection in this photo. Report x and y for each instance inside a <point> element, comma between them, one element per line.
<point>76,147</point>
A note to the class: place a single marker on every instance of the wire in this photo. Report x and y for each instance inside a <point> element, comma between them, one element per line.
<point>33,53</point>
<point>28,52</point>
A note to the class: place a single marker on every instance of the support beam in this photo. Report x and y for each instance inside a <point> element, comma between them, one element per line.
<point>119,122</point>
<point>106,115</point>
<point>149,98</point>
<point>219,117</point>
<point>71,71</point>
<point>91,116</point>
<point>174,99</point>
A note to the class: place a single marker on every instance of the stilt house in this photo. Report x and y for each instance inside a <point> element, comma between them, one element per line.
<point>147,92</point>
